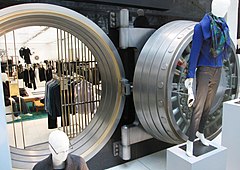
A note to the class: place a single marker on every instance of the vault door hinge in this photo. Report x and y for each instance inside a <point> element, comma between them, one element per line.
<point>126,87</point>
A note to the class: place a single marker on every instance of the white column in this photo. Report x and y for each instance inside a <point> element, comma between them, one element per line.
<point>232,20</point>
<point>5,159</point>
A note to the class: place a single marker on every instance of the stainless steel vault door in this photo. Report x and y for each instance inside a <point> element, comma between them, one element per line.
<point>109,111</point>
<point>158,88</point>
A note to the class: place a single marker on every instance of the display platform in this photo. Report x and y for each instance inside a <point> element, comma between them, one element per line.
<point>205,157</point>
<point>230,134</point>
<point>199,148</point>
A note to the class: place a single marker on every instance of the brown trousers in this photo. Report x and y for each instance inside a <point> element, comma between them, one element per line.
<point>207,81</point>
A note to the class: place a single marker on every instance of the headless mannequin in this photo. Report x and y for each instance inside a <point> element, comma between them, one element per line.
<point>219,9</point>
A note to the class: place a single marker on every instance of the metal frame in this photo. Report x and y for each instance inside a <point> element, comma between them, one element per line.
<point>99,131</point>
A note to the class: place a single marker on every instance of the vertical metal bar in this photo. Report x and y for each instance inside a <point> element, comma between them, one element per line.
<point>60,75</point>
<point>92,88</point>
<point>14,131</point>
<point>97,88</point>
<point>70,54</point>
<point>62,81</point>
<point>82,86</point>
<point>76,80</point>
<point>79,72</point>
<point>19,99</point>
<point>96,84</point>
<point>15,49</point>
<point>87,86</point>
<point>66,79</point>
<point>20,103</point>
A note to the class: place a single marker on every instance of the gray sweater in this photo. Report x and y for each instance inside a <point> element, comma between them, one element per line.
<point>73,162</point>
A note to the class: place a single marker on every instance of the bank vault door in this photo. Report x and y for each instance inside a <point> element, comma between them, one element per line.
<point>158,88</point>
<point>83,43</point>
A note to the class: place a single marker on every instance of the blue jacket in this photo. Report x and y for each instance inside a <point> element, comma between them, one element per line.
<point>200,53</point>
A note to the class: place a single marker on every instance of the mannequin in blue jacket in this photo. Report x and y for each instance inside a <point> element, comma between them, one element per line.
<point>210,41</point>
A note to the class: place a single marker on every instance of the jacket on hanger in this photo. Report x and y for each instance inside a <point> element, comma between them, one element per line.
<point>42,73</point>
<point>6,93</point>
<point>25,54</point>
<point>29,78</point>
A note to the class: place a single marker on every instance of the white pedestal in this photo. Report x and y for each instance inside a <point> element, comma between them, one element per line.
<point>212,160</point>
<point>231,134</point>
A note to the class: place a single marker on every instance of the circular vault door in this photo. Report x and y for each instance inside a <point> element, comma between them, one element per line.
<point>109,111</point>
<point>159,93</point>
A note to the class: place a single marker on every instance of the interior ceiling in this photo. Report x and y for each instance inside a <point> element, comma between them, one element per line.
<point>31,35</point>
<point>35,35</point>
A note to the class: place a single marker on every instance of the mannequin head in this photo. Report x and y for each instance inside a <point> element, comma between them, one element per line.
<point>140,12</point>
<point>220,7</point>
<point>58,146</point>
<point>4,77</point>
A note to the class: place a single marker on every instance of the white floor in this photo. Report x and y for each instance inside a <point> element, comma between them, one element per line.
<point>156,161</point>
<point>28,133</point>
<point>37,130</point>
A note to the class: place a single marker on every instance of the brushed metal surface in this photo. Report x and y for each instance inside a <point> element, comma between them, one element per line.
<point>158,88</point>
<point>99,131</point>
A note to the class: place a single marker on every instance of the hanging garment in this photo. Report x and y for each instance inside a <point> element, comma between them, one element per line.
<point>20,72</point>
<point>85,97</point>
<point>6,93</point>
<point>49,75</point>
<point>42,73</point>
<point>53,103</point>
<point>25,54</point>
<point>29,78</point>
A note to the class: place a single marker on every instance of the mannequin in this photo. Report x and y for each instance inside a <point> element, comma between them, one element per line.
<point>141,20</point>
<point>61,146</point>
<point>60,159</point>
<point>206,60</point>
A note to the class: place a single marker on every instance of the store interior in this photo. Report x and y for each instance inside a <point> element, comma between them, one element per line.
<point>30,58</point>
<point>51,81</point>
